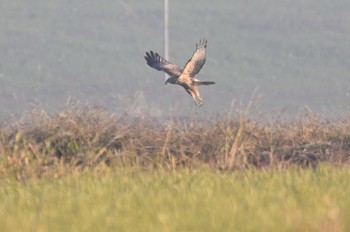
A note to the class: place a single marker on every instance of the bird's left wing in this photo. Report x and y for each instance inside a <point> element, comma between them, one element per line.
<point>157,62</point>
<point>197,61</point>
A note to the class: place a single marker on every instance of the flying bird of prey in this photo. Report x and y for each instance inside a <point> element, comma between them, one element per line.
<point>184,77</point>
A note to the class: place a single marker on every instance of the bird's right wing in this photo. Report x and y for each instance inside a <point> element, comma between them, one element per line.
<point>157,62</point>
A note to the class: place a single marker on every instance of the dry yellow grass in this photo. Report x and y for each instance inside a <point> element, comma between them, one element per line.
<point>81,138</point>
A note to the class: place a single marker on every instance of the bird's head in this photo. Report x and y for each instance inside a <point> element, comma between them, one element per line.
<point>169,80</point>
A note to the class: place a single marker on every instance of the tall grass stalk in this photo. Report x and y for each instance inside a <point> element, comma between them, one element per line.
<point>82,138</point>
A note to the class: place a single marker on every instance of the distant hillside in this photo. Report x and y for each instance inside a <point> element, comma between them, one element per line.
<point>295,52</point>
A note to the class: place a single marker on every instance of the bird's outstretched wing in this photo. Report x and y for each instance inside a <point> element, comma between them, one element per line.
<point>157,62</point>
<point>197,61</point>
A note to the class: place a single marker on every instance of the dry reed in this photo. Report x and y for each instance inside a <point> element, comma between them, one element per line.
<point>84,138</point>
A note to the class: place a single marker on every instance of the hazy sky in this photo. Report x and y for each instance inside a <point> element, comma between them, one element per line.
<point>291,53</point>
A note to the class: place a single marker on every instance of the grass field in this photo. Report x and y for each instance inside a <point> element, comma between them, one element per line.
<point>292,200</point>
<point>84,137</point>
<point>84,169</point>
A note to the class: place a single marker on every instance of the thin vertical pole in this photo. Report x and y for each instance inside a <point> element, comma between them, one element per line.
<point>166,31</point>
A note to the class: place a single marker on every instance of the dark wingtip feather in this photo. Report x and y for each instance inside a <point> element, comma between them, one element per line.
<point>147,55</point>
<point>201,43</point>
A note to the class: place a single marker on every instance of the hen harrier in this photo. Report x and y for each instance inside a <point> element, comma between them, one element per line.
<point>184,77</point>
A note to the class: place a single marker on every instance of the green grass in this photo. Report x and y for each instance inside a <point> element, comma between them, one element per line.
<point>84,169</point>
<point>290,200</point>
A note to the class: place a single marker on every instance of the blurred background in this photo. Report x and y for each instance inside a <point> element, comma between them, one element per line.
<point>292,53</point>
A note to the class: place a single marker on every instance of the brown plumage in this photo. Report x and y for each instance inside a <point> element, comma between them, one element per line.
<point>184,77</point>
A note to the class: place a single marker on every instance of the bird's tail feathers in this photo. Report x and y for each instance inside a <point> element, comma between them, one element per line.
<point>197,82</point>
